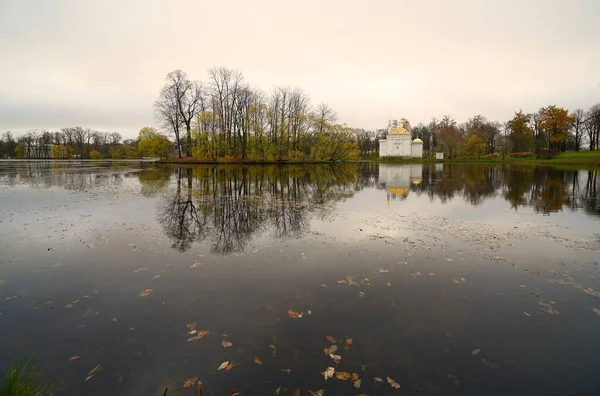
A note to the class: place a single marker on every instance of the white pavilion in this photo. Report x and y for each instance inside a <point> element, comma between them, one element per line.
<point>398,142</point>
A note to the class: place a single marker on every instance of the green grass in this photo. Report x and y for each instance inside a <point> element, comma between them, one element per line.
<point>24,380</point>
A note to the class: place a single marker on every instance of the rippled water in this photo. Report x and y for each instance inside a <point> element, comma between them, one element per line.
<point>448,279</point>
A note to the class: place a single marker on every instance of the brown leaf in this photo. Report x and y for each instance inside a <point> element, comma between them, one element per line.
<point>393,383</point>
<point>146,293</point>
<point>355,377</point>
<point>234,393</point>
<point>69,306</point>
<point>357,383</point>
<point>342,375</point>
<point>331,339</point>
<point>474,352</point>
<point>326,351</point>
<point>200,335</point>
<point>294,315</point>
<point>191,326</point>
<point>74,358</point>
<point>272,347</point>
<point>257,361</point>
<point>226,344</point>
<point>230,366</point>
<point>328,373</point>
<point>190,381</point>
<point>596,311</point>
<point>349,341</point>
<point>377,379</point>
<point>120,380</point>
<point>336,358</point>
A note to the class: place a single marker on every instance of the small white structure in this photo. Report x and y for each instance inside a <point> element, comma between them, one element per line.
<point>398,142</point>
<point>439,156</point>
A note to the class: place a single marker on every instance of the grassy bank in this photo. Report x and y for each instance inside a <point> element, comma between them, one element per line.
<point>583,158</point>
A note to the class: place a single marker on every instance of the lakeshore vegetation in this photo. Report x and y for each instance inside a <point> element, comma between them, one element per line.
<point>225,119</point>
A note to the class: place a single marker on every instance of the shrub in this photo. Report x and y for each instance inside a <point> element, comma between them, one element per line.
<point>526,154</point>
<point>493,155</point>
<point>95,155</point>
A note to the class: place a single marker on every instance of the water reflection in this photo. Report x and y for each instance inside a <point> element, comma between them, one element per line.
<point>228,206</point>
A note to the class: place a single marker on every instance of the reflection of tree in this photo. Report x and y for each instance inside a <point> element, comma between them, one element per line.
<point>70,176</point>
<point>154,180</point>
<point>545,189</point>
<point>229,205</point>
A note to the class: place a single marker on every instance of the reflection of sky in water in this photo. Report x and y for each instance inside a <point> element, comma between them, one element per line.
<point>101,225</point>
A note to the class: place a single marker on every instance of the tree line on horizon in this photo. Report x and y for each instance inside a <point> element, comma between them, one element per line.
<point>226,119</point>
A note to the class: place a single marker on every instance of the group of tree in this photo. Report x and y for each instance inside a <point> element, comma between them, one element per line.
<point>73,142</point>
<point>226,117</point>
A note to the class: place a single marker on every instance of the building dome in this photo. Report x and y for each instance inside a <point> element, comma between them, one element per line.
<point>417,140</point>
<point>398,131</point>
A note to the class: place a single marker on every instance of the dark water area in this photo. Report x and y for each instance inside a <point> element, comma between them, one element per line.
<point>444,279</point>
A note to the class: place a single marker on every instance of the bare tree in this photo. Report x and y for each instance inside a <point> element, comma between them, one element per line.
<point>166,110</point>
<point>324,115</point>
<point>579,117</point>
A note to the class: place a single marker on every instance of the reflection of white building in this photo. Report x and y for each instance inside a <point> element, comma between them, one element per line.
<point>397,179</point>
<point>398,142</point>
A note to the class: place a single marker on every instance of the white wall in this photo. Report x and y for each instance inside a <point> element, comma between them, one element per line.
<point>417,150</point>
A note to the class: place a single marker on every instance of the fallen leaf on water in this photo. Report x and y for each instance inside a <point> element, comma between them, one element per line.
<point>548,308</point>
<point>393,383</point>
<point>596,311</point>
<point>449,259</point>
<point>156,276</point>
<point>191,326</point>
<point>328,373</point>
<point>388,284</point>
<point>278,390</point>
<point>383,271</point>
<point>74,358</point>
<point>551,302</point>
<point>309,312</point>
<point>431,274</point>
<point>335,358</point>
<point>114,319</point>
<point>140,270</point>
<point>190,381</point>
<point>357,383</point>
<point>591,292</point>
<point>287,371</point>
<point>229,366</point>
<point>13,297</point>
<point>377,379</point>
<point>523,286</point>
<point>223,365</point>
<point>323,285</point>
<point>367,282</point>
<point>350,280</point>
<point>349,341</point>
<point>526,313</point>
<point>57,265</point>
<point>491,365</point>
<point>226,344</point>
<point>120,380</point>
<point>257,361</point>
<point>272,347</point>
<point>69,305</point>
<point>333,349</point>
<point>355,377</point>
<point>201,334</point>
<point>233,393</point>
<point>296,392</point>
<point>196,264</point>
<point>361,294</point>
<point>331,339</point>
<point>146,293</point>
<point>326,351</point>
<point>474,352</point>
<point>342,281</point>
<point>342,375</point>
<point>455,281</point>
<point>294,315</point>
<point>320,392</point>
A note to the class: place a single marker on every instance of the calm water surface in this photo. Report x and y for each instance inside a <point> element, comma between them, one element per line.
<point>449,280</point>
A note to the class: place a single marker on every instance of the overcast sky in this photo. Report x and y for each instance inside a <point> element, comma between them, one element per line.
<point>101,64</point>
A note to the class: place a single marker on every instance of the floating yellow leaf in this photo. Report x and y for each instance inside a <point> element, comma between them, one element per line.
<point>200,335</point>
<point>294,315</point>
<point>272,347</point>
<point>257,361</point>
<point>328,373</point>
<point>74,358</point>
<point>331,339</point>
<point>349,341</point>
<point>326,351</point>
<point>190,381</point>
<point>393,383</point>
<point>226,344</point>
<point>94,370</point>
<point>342,375</point>
<point>146,293</point>
<point>388,284</point>
<point>474,352</point>
<point>278,390</point>
<point>140,270</point>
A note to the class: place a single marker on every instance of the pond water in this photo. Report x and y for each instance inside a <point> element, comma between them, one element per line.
<point>127,279</point>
